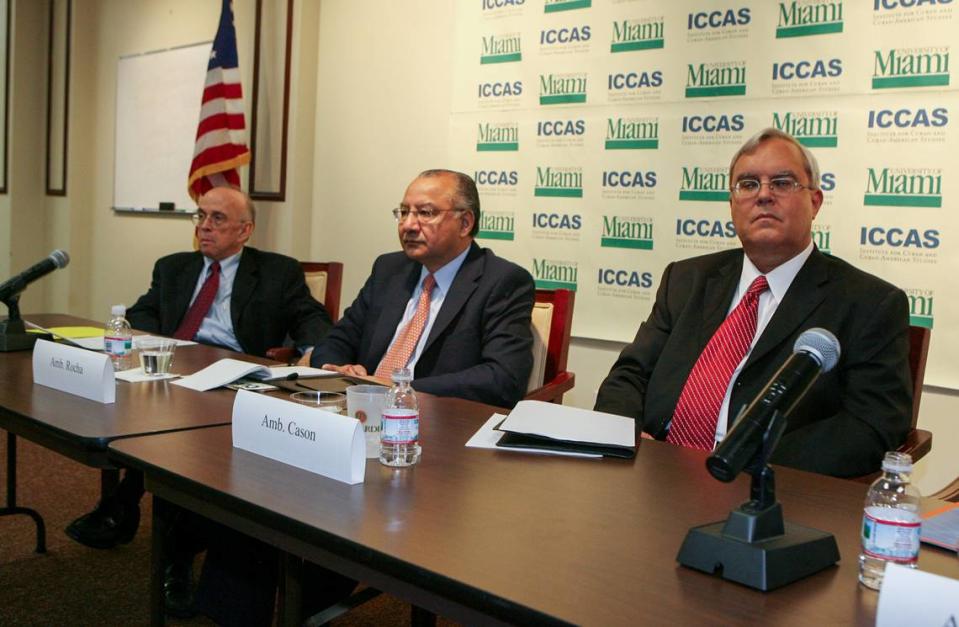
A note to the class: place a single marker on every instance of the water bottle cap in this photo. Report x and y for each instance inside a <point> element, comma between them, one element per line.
<point>897,462</point>
<point>118,310</point>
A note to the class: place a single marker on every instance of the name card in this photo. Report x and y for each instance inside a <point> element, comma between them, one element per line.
<point>912,597</point>
<point>312,439</point>
<point>74,371</point>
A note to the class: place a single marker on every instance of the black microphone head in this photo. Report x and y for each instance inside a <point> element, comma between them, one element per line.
<point>821,345</point>
<point>60,258</point>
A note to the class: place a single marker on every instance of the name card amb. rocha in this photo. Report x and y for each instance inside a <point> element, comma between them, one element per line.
<point>312,439</point>
<point>74,371</point>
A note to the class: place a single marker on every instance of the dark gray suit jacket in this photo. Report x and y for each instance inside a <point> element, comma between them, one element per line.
<point>479,348</point>
<point>270,300</point>
<point>850,416</point>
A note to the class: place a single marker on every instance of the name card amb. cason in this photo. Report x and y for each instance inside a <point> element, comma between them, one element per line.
<point>312,439</point>
<point>74,371</point>
<point>913,597</point>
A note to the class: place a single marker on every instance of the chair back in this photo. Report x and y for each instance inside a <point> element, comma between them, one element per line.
<point>552,325</point>
<point>918,351</point>
<point>325,280</point>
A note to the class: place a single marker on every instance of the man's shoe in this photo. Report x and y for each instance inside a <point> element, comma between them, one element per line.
<point>110,524</point>
<point>178,591</point>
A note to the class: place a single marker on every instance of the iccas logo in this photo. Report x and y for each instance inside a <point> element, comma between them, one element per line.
<point>565,35</point>
<point>627,232</point>
<point>550,274</point>
<point>492,5</point>
<point>710,184</point>
<point>557,221</point>
<point>634,80</point>
<point>814,129</point>
<point>619,277</point>
<point>501,178</point>
<point>640,34</point>
<point>505,48</point>
<point>909,118</point>
<point>718,19</point>
<point>500,89</point>
<point>555,6</point>
<point>632,133</point>
<point>889,5</point>
<point>807,70</point>
<point>920,307</point>
<point>565,182</point>
<point>805,18</point>
<point>827,181</point>
<point>562,88</point>
<point>629,178</point>
<point>560,128</point>
<point>903,187</point>
<point>725,123</point>
<point>707,80</point>
<point>499,225</point>
<point>497,137</point>
<point>911,67</point>
<point>898,237</point>
<point>700,227</point>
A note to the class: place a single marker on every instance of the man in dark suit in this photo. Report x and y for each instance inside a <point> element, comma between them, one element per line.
<point>225,294</point>
<point>854,413</point>
<point>476,342</point>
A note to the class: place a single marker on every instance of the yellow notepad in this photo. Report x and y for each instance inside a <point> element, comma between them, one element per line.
<point>74,333</point>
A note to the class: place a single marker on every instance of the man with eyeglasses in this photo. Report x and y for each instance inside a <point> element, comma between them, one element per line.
<point>456,314</point>
<point>723,323</point>
<point>226,294</point>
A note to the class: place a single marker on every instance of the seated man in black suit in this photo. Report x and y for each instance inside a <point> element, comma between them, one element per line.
<point>472,339</point>
<point>226,294</point>
<point>723,323</point>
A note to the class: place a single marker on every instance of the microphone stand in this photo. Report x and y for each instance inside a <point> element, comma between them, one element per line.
<point>13,333</point>
<point>754,546</point>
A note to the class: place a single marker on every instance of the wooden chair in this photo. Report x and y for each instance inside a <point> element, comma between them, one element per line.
<point>552,325</point>
<point>948,493</point>
<point>325,280</point>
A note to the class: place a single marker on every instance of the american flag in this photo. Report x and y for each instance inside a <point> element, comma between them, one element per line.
<point>221,134</point>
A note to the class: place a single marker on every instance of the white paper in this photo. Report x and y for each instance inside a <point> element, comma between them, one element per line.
<point>487,437</point>
<point>313,439</point>
<point>74,370</point>
<point>572,424</point>
<point>229,370</point>
<point>912,597</point>
<point>136,375</point>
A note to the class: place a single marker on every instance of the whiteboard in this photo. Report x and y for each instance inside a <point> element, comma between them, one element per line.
<point>158,107</point>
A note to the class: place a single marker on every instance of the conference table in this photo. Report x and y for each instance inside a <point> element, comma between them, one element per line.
<point>81,429</point>
<point>489,536</point>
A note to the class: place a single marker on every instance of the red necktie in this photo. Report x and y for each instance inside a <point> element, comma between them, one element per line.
<point>402,349</point>
<point>201,305</point>
<point>694,421</point>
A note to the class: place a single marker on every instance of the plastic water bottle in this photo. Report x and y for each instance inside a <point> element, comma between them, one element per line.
<point>890,522</point>
<point>399,439</point>
<point>118,338</point>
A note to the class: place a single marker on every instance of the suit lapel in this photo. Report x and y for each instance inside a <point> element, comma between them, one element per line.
<point>463,286</point>
<point>244,284</point>
<point>804,295</point>
<point>720,288</point>
<point>393,305</point>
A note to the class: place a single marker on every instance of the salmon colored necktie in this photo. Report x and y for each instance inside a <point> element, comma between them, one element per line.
<point>405,343</point>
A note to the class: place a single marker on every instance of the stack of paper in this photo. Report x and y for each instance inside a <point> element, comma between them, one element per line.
<point>539,425</point>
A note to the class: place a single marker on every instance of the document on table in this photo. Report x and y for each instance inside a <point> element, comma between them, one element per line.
<point>941,527</point>
<point>535,424</point>
<point>488,436</point>
<point>227,371</point>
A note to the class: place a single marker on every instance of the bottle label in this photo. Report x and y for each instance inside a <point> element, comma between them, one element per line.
<point>891,534</point>
<point>400,426</point>
<point>118,345</point>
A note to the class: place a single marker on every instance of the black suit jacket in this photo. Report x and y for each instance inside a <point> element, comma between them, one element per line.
<point>480,346</point>
<point>270,300</point>
<point>850,416</point>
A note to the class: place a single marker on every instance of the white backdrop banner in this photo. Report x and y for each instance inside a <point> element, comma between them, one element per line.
<point>600,132</point>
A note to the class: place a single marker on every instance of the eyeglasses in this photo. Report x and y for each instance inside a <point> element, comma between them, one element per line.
<point>778,186</point>
<point>426,215</point>
<point>219,220</point>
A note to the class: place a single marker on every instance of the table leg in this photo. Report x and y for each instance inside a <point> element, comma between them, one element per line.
<point>158,551</point>
<point>291,590</point>
<point>11,507</point>
<point>109,480</point>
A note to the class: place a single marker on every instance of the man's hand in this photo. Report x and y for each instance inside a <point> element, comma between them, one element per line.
<point>351,369</point>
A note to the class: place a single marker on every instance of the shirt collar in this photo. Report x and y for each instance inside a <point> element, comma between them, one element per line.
<point>779,278</point>
<point>226,265</point>
<point>445,275</point>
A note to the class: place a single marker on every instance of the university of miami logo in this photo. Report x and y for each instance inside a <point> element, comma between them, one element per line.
<point>555,6</point>
<point>903,187</point>
<point>910,67</point>
<point>632,133</point>
<point>627,232</point>
<point>812,129</point>
<point>710,80</point>
<point>821,234</point>
<point>550,274</point>
<point>704,184</point>
<point>506,48</point>
<point>805,18</point>
<point>499,137</point>
<point>920,307</point>
<point>559,182</point>
<point>499,225</point>
<point>562,88</point>
<point>642,34</point>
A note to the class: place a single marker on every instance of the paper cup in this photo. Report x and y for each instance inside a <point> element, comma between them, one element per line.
<point>366,403</point>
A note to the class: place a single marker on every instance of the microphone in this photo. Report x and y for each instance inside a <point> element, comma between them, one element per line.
<point>815,351</point>
<point>13,286</point>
